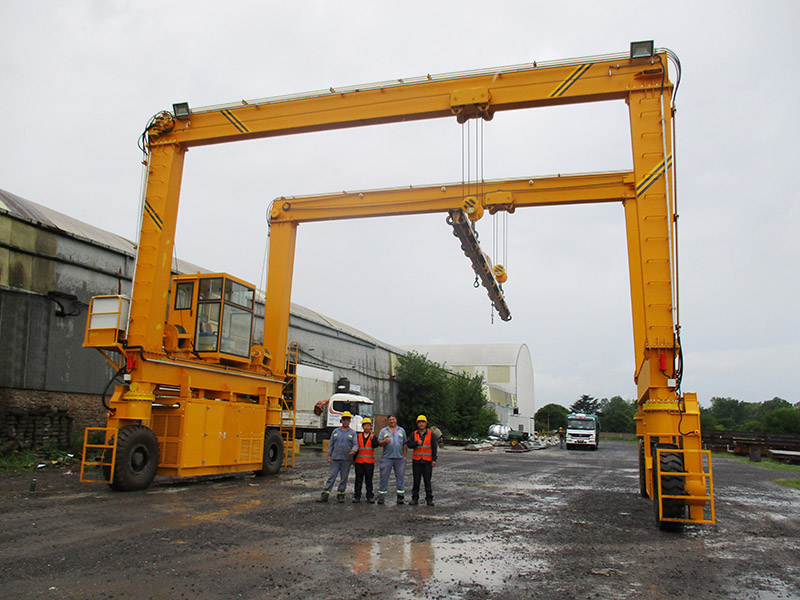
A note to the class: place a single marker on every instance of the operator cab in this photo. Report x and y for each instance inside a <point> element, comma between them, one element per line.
<point>211,316</point>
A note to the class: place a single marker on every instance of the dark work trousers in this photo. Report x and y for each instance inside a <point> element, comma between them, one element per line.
<point>364,473</point>
<point>422,469</point>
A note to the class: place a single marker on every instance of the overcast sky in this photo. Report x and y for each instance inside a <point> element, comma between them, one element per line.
<point>80,79</point>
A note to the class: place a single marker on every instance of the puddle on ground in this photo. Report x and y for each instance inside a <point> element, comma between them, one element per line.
<point>443,561</point>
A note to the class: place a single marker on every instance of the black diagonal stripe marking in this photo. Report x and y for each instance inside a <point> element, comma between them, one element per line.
<point>234,121</point>
<point>153,215</point>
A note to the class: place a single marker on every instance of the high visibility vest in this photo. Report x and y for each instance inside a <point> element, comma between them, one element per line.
<point>366,453</point>
<point>423,450</point>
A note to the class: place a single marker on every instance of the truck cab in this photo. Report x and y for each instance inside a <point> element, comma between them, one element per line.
<point>583,431</point>
<point>359,406</point>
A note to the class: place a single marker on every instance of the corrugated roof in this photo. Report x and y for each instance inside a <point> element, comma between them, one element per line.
<point>308,314</point>
<point>52,219</point>
<point>469,354</point>
<point>43,216</point>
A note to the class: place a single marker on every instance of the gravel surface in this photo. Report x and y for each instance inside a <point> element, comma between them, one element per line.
<point>544,524</point>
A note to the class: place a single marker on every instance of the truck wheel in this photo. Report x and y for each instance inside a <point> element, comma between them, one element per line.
<point>671,485</point>
<point>273,453</point>
<point>136,460</point>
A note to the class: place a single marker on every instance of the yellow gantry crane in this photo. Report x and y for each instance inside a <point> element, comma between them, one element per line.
<point>198,397</point>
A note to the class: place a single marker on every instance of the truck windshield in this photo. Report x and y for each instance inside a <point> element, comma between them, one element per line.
<point>580,424</point>
<point>356,408</point>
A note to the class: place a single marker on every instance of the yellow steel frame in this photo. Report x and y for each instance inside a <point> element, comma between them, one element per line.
<point>647,194</point>
<point>105,446</point>
<point>694,480</point>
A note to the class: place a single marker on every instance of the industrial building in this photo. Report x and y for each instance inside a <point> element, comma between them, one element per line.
<point>51,265</point>
<point>507,373</point>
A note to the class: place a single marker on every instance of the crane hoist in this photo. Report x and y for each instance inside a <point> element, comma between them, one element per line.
<point>199,397</point>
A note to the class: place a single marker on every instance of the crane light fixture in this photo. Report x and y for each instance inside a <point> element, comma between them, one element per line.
<point>181,110</point>
<point>643,49</point>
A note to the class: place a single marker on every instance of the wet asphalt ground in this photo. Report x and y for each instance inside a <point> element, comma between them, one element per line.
<point>544,524</point>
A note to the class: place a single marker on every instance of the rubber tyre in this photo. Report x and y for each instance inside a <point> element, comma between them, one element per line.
<point>642,471</point>
<point>671,485</point>
<point>273,453</point>
<point>136,460</point>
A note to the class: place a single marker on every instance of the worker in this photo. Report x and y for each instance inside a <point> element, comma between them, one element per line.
<point>393,440</point>
<point>365,461</point>
<point>341,450</point>
<point>561,436</point>
<point>423,459</point>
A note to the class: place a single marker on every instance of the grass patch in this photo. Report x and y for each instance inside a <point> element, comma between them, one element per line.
<point>610,437</point>
<point>766,463</point>
<point>29,460</point>
<point>790,483</point>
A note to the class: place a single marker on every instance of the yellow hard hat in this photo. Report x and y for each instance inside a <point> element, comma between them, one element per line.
<point>346,415</point>
<point>422,418</point>
<point>366,421</point>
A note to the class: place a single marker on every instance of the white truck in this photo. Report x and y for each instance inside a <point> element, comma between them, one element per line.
<point>583,431</point>
<point>320,404</point>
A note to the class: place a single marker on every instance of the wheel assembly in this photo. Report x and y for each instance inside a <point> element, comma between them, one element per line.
<point>136,460</point>
<point>273,453</point>
<point>671,485</point>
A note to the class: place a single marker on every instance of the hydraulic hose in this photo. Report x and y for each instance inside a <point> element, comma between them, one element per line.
<point>119,372</point>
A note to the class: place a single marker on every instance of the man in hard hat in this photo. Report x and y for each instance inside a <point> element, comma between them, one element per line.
<point>365,461</point>
<point>426,449</point>
<point>341,449</point>
<point>393,440</point>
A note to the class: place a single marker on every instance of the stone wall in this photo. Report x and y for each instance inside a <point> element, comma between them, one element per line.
<point>31,420</point>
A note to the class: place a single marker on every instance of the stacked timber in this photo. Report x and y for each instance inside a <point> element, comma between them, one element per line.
<point>35,429</point>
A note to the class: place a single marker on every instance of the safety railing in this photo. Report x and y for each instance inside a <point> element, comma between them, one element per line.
<point>706,501</point>
<point>103,450</point>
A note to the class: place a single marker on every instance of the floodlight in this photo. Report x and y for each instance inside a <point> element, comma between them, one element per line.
<point>181,110</point>
<point>642,49</point>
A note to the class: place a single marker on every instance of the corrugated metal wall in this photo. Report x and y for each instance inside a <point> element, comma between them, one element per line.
<point>41,351</point>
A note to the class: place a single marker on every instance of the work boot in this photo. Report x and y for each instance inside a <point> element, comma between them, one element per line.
<point>324,497</point>
<point>340,497</point>
<point>429,502</point>
<point>400,499</point>
<point>356,500</point>
<point>371,500</point>
<point>414,502</point>
<point>380,500</point>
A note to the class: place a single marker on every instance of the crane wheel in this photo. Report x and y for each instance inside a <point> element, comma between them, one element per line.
<point>671,485</point>
<point>642,471</point>
<point>136,460</point>
<point>273,453</point>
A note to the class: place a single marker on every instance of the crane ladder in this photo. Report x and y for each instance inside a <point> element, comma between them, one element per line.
<point>288,406</point>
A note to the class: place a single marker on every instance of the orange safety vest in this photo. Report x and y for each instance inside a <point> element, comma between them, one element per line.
<point>423,450</point>
<point>366,453</point>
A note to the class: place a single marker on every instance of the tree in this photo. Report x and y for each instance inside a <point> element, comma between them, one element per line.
<point>551,416</point>
<point>733,414</point>
<point>422,390</point>
<point>472,415</point>
<point>616,415</point>
<point>782,420</point>
<point>586,404</point>
<point>454,402</point>
<point>708,422</point>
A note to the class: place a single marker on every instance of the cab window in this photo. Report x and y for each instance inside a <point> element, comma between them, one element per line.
<point>183,295</point>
